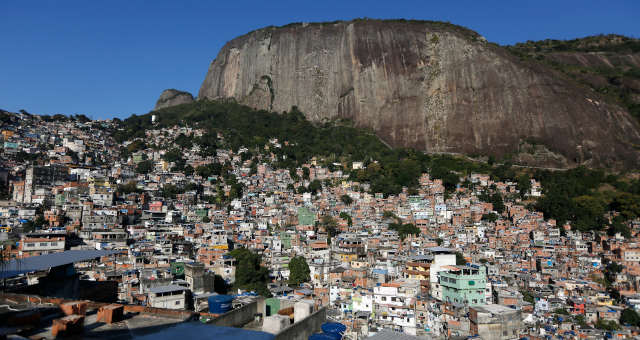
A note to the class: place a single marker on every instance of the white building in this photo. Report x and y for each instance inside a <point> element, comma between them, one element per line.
<point>170,297</point>
<point>394,304</point>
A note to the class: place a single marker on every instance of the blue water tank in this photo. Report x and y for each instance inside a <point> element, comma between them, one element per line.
<point>334,327</point>
<point>220,304</point>
<point>320,336</point>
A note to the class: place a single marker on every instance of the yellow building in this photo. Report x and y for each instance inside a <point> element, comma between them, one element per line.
<point>6,134</point>
<point>417,270</point>
<point>345,257</point>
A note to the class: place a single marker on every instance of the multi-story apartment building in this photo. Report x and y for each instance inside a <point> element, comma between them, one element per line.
<point>41,244</point>
<point>394,305</point>
<point>464,285</point>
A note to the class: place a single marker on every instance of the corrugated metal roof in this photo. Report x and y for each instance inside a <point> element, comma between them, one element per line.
<point>44,262</point>
<point>166,289</point>
<point>386,334</point>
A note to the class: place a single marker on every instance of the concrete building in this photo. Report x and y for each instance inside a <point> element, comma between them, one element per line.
<point>495,322</point>
<point>464,285</point>
<point>394,305</point>
<point>34,245</point>
<point>194,275</point>
<point>170,297</point>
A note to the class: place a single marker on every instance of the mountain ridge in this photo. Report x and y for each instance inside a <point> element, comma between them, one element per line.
<point>432,86</point>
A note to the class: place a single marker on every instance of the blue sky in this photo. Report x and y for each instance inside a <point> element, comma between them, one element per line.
<point>113,58</point>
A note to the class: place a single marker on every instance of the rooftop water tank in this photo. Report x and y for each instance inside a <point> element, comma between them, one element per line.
<point>334,328</point>
<point>220,304</point>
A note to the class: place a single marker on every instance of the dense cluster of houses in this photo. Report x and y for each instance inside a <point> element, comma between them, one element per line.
<point>517,275</point>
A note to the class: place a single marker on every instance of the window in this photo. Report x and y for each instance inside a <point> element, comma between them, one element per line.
<point>30,245</point>
<point>178,302</point>
<point>44,244</point>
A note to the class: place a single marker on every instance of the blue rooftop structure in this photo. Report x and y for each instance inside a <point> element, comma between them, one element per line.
<point>196,330</point>
<point>44,262</point>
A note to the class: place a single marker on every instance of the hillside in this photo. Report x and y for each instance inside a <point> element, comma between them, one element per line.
<point>431,86</point>
<point>569,195</point>
<point>607,64</point>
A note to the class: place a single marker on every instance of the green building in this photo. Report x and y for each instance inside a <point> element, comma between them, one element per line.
<point>202,212</point>
<point>285,238</point>
<point>306,216</point>
<point>272,306</point>
<point>464,285</point>
<point>60,199</point>
<point>137,158</point>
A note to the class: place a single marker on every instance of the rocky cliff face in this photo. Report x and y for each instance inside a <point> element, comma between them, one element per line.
<point>432,86</point>
<point>173,97</point>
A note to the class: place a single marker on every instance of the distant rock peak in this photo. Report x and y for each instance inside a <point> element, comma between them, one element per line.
<point>173,97</point>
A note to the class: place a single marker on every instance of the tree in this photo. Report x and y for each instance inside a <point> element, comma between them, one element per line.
<point>170,190</point>
<point>188,170</point>
<point>389,214</point>
<point>250,274</point>
<point>330,225</point>
<point>145,167</point>
<point>172,155</point>
<point>404,230</point>
<point>523,185</point>
<point>128,188</point>
<point>460,260</point>
<point>498,204</point>
<point>527,296</point>
<point>346,199</point>
<point>611,270</point>
<point>580,320</point>
<point>293,174</point>
<point>31,226</point>
<point>299,271</point>
<point>630,317</point>
<point>4,191</point>
<point>220,286</point>
<point>619,226</point>
<point>314,186</point>
<point>305,173</point>
<point>627,204</point>
<point>607,325</point>
<point>588,213</point>
<point>345,216</point>
<point>490,217</point>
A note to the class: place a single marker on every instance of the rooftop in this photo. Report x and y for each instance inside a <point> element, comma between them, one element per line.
<point>44,262</point>
<point>166,289</point>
